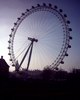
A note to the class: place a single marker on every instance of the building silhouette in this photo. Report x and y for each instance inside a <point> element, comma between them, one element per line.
<point>4,67</point>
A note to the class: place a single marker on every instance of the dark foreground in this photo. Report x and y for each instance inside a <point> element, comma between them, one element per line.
<point>38,84</point>
<point>12,87</point>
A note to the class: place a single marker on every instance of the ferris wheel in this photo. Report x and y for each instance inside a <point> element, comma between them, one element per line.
<point>40,37</point>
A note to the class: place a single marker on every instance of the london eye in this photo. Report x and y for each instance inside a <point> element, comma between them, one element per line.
<point>39,38</point>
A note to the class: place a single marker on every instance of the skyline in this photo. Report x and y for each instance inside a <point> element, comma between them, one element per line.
<point>10,12</point>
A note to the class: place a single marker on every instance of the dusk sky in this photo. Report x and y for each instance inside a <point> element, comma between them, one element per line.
<point>10,10</point>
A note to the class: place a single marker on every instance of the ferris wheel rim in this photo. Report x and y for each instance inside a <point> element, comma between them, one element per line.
<point>44,7</point>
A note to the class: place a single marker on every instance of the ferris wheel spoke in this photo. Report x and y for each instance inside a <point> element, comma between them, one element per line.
<point>19,54</point>
<point>50,36</point>
<point>42,25</point>
<point>52,25</point>
<point>20,47</point>
<point>41,22</point>
<point>53,28</point>
<point>43,54</point>
<point>37,58</point>
<point>49,33</point>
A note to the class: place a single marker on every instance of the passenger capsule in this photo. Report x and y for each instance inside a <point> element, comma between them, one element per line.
<point>12,29</point>
<point>10,59</point>
<point>15,23</point>
<point>62,62</point>
<point>50,5</point>
<point>69,46</point>
<point>44,4</point>
<point>9,53</point>
<point>55,7</point>
<point>23,14</point>
<point>66,54</point>
<point>27,10</point>
<point>33,7</point>
<point>38,5</point>
<point>60,10</point>
<point>8,47</point>
<point>68,22</point>
<point>70,37</point>
<point>65,15</point>
<point>10,35</point>
<point>18,18</point>
<point>70,29</point>
<point>9,41</point>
